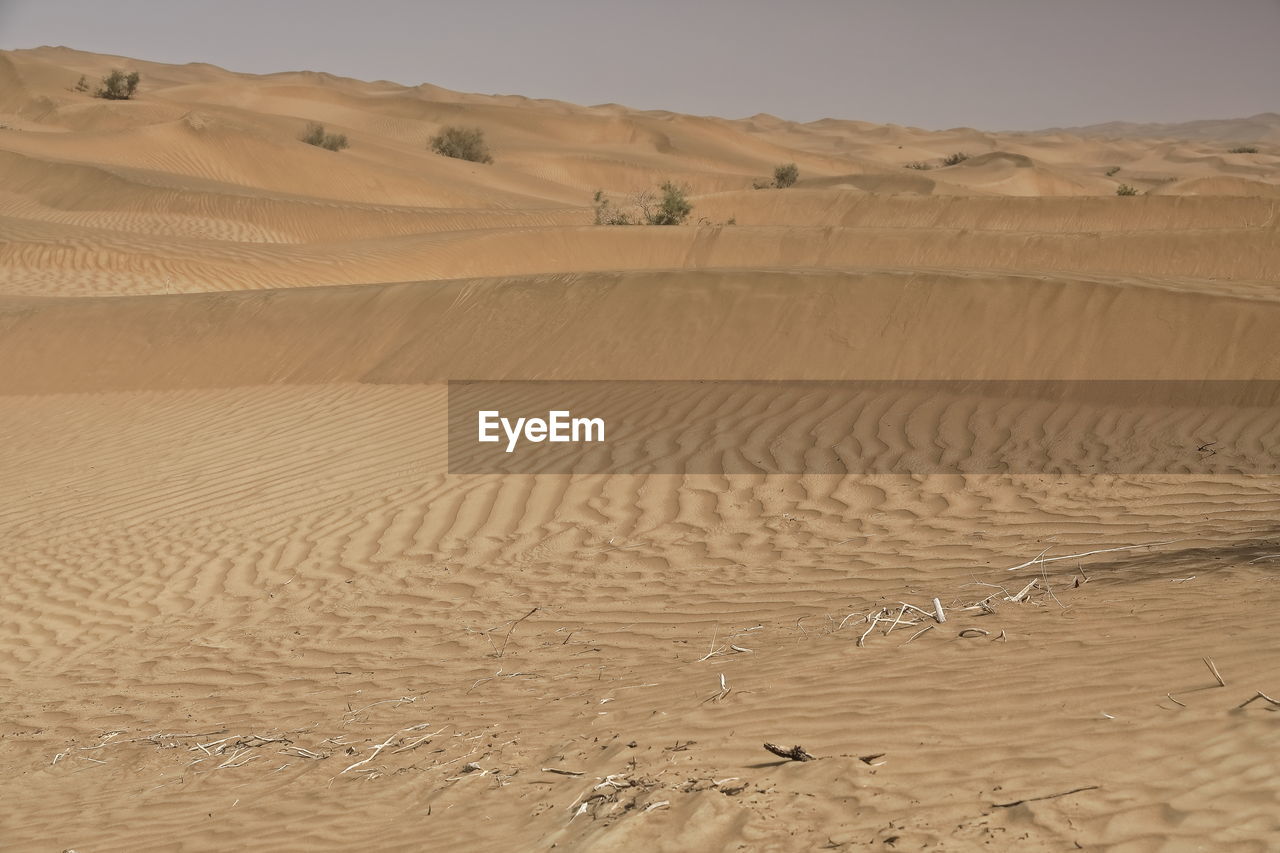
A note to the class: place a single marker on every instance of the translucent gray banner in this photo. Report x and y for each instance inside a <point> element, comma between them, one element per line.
<point>865,427</point>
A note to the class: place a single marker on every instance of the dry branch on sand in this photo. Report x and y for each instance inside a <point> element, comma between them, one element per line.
<point>918,633</point>
<point>1213,669</point>
<point>510,625</point>
<point>795,753</point>
<point>723,692</point>
<point>507,638</point>
<point>234,751</point>
<point>1036,590</point>
<point>729,647</point>
<point>1046,797</point>
<point>499,674</point>
<point>1041,559</point>
<point>229,752</point>
<point>607,796</point>
<point>376,750</point>
<point>1022,594</point>
<point>1256,697</point>
<point>403,700</point>
<point>907,616</point>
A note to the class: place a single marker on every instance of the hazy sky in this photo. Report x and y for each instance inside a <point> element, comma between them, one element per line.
<point>995,64</point>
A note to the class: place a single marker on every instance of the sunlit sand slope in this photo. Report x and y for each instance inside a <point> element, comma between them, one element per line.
<point>695,325</point>
<point>201,183</point>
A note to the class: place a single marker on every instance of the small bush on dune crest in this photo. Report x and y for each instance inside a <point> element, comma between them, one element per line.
<point>1125,189</point>
<point>1244,149</point>
<point>784,176</point>
<point>673,207</point>
<point>118,86</point>
<point>955,159</point>
<point>918,164</point>
<point>316,136</point>
<point>462,143</point>
<point>670,207</point>
<point>607,214</point>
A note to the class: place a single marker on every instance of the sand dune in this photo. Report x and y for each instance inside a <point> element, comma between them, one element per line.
<point>1264,126</point>
<point>51,259</point>
<point>249,606</point>
<point>644,326</point>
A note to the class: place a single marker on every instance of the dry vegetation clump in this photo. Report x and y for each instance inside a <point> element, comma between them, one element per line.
<point>116,86</point>
<point>955,159</point>
<point>669,206</point>
<point>786,175</point>
<point>462,143</point>
<point>316,136</point>
<point>607,213</point>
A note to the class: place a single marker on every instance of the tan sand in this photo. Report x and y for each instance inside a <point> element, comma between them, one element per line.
<point>247,607</point>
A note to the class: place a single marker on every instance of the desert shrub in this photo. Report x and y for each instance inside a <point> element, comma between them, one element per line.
<point>761,185</point>
<point>732,220</point>
<point>316,136</point>
<point>673,208</point>
<point>954,159</point>
<point>607,214</point>
<point>1125,189</point>
<point>1113,170</point>
<point>669,206</point>
<point>118,86</point>
<point>1244,149</point>
<point>82,85</point>
<point>786,175</point>
<point>918,164</point>
<point>463,143</point>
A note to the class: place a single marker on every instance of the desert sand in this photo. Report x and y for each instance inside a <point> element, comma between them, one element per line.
<point>246,606</point>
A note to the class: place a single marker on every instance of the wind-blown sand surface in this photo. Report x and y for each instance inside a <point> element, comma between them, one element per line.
<point>247,607</point>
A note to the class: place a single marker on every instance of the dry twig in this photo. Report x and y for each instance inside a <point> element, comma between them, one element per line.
<point>1042,559</point>
<point>1209,663</point>
<point>918,633</point>
<point>507,638</point>
<point>1255,697</point>
<point>1046,797</point>
<point>795,753</point>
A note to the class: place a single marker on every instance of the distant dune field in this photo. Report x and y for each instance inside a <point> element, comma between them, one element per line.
<point>247,606</point>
